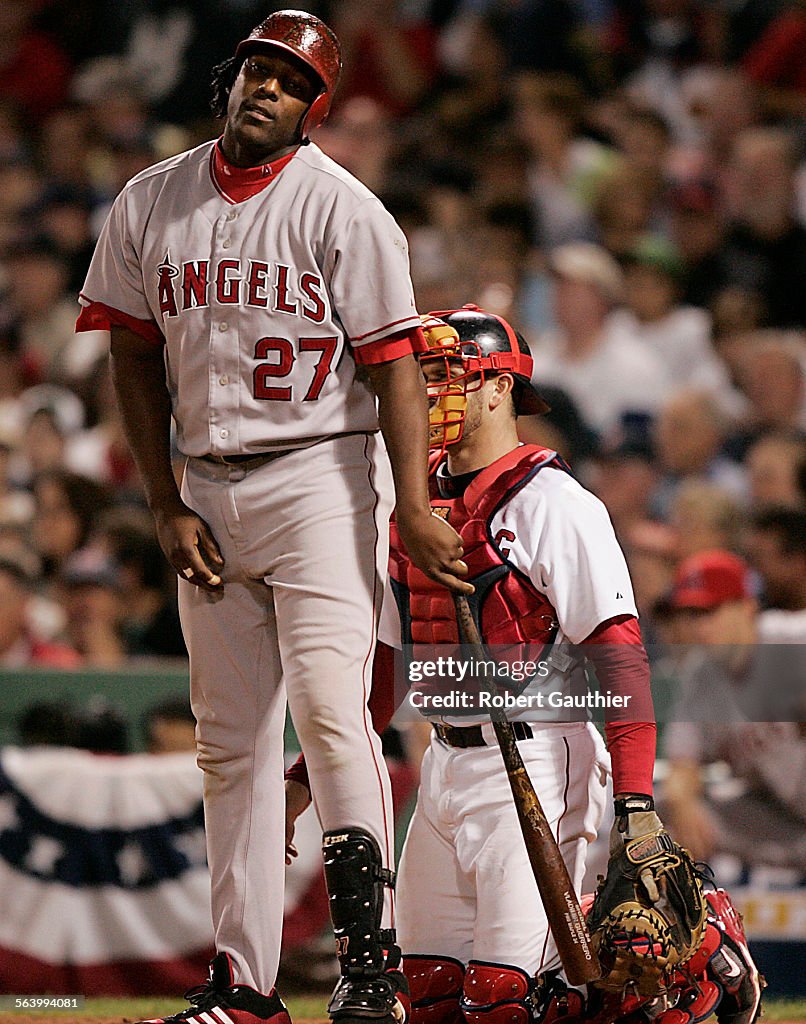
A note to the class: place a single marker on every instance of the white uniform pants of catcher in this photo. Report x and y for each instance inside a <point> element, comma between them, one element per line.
<point>305,542</point>
<point>465,888</point>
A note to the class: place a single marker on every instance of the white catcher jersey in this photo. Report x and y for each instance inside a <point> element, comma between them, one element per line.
<point>560,535</point>
<point>264,304</point>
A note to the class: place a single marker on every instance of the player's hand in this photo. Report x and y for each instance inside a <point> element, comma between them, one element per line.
<point>189,545</point>
<point>435,548</point>
<point>297,798</point>
<point>640,823</point>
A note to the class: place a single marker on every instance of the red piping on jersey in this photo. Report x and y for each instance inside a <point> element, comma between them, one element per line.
<point>97,316</point>
<point>393,346</point>
<point>236,184</point>
<point>385,327</point>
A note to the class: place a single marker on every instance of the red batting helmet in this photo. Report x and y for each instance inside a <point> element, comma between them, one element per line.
<point>308,38</point>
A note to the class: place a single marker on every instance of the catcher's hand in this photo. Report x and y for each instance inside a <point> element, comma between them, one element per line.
<point>649,912</point>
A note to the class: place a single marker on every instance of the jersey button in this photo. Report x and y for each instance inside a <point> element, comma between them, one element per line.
<point>223,327</point>
<point>232,215</point>
<point>223,380</point>
<point>223,433</point>
<point>226,244</point>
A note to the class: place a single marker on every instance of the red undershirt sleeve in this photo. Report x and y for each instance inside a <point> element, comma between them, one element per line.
<point>617,652</point>
<point>298,772</point>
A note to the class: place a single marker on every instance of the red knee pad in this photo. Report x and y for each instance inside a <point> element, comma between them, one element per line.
<point>435,985</point>
<point>496,994</point>
<point>501,994</point>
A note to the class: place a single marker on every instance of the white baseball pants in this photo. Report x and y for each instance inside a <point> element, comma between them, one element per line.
<point>305,543</point>
<point>465,888</point>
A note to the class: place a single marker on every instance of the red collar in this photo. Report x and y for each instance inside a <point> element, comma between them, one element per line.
<point>236,184</point>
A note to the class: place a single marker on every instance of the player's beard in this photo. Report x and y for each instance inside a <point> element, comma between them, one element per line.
<point>473,414</point>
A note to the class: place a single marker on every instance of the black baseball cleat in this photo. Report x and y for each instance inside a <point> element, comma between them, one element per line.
<point>381,1000</point>
<point>221,1001</point>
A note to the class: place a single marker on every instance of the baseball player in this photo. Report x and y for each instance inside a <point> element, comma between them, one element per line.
<point>547,569</point>
<point>260,295</point>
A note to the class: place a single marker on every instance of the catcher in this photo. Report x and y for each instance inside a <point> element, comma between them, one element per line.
<point>548,572</point>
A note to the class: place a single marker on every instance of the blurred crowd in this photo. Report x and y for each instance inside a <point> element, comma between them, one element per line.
<point>625,180</point>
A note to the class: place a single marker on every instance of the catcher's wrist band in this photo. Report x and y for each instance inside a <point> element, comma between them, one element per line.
<point>632,803</point>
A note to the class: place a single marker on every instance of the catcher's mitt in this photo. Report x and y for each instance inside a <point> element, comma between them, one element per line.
<point>649,913</point>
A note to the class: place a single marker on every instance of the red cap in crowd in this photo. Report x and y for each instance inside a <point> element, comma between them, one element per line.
<point>709,579</point>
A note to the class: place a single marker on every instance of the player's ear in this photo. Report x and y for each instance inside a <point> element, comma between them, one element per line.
<point>503,384</point>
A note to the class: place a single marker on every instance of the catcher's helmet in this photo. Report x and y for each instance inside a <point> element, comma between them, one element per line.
<point>480,345</point>
<point>308,38</point>
<point>489,345</point>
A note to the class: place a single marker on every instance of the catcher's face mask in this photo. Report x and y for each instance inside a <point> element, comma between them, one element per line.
<point>450,376</point>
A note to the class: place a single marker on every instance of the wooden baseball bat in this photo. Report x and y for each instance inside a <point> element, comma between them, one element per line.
<point>563,912</point>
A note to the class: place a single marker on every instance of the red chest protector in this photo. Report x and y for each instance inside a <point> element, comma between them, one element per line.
<point>508,609</point>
